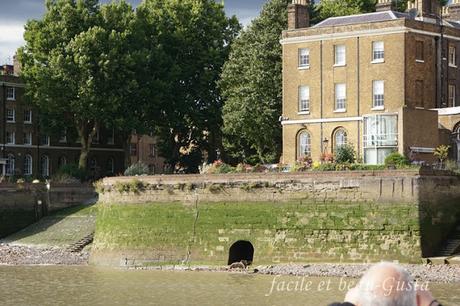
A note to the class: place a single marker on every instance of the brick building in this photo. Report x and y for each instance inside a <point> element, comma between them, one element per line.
<point>144,149</point>
<point>25,151</point>
<point>382,82</point>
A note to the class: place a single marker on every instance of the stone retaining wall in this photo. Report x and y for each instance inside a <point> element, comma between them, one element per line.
<point>301,217</point>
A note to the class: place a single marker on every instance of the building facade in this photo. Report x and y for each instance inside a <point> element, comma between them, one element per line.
<point>144,149</point>
<point>28,152</point>
<point>381,82</point>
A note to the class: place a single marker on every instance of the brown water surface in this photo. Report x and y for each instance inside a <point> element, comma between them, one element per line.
<point>56,285</point>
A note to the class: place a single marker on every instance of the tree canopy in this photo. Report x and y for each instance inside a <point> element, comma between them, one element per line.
<point>190,41</point>
<point>154,69</point>
<point>79,64</point>
<point>251,84</point>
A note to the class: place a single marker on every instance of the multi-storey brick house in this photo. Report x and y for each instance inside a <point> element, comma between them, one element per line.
<point>25,151</point>
<point>144,149</point>
<point>382,82</point>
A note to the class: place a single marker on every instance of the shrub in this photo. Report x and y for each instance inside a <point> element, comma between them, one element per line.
<point>218,167</point>
<point>64,178</point>
<point>345,154</point>
<point>327,157</point>
<point>452,165</point>
<point>138,168</point>
<point>99,186</point>
<point>243,168</point>
<point>442,152</point>
<point>397,160</point>
<point>134,186</point>
<point>73,171</point>
<point>324,167</point>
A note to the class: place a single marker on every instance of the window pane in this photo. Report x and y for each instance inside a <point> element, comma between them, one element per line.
<point>304,98</point>
<point>304,57</point>
<point>340,55</point>
<point>378,52</point>
<point>378,93</point>
<point>340,96</point>
<point>304,144</point>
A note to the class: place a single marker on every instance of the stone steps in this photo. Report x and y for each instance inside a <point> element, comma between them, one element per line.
<point>452,244</point>
<point>79,245</point>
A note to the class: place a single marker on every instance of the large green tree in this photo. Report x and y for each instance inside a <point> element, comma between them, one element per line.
<point>331,8</point>
<point>190,41</point>
<point>251,84</point>
<point>79,63</point>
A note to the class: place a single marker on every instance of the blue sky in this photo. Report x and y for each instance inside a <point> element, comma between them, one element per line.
<point>15,13</point>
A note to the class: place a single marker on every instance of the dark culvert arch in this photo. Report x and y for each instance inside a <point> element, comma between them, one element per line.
<point>241,250</point>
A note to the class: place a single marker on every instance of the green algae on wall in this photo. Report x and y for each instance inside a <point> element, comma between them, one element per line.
<point>159,233</point>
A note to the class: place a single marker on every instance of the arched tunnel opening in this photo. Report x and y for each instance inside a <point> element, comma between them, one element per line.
<point>241,251</point>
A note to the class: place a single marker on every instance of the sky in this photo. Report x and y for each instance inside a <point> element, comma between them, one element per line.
<point>15,13</point>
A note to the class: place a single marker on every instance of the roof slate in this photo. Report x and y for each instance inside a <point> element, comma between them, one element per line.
<point>362,18</point>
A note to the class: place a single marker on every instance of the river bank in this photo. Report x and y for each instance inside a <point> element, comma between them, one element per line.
<point>26,255</point>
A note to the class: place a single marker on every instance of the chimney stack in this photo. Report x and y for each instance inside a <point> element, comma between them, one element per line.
<point>454,10</point>
<point>298,14</point>
<point>426,8</point>
<point>16,65</point>
<point>384,5</point>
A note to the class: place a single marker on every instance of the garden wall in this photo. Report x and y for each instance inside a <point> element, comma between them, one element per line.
<point>299,217</point>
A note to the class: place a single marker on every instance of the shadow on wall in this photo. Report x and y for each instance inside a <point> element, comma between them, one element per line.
<point>241,251</point>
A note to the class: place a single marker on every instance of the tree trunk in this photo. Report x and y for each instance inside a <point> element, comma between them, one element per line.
<point>86,132</point>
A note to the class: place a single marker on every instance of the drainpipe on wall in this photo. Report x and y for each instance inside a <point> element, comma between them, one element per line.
<point>357,98</point>
<point>321,82</point>
<point>4,122</point>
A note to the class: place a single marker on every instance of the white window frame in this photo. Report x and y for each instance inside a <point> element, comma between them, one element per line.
<point>378,52</point>
<point>304,99</point>
<point>304,58</point>
<point>10,165</point>
<point>380,134</point>
<point>28,163</point>
<point>304,144</point>
<point>10,93</point>
<point>340,138</point>
<point>29,114</point>
<point>340,90</point>
<point>452,95</point>
<point>452,56</point>
<point>340,55</point>
<point>29,138</point>
<point>10,136</point>
<point>8,118</point>
<point>47,143</point>
<point>45,171</point>
<point>378,96</point>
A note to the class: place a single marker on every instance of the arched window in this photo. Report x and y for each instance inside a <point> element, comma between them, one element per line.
<point>62,161</point>
<point>304,144</point>
<point>10,165</point>
<point>45,166</point>
<point>340,138</point>
<point>27,165</point>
